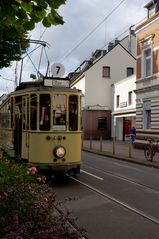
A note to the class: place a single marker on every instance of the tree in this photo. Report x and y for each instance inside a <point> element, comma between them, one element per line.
<point>17,18</point>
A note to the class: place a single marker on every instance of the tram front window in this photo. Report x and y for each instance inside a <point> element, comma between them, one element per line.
<point>59,112</point>
<point>45,103</point>
<point>73,113</point>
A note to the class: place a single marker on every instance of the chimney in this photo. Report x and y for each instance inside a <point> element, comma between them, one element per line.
<point>110,46</point>
<point>131,33</point>
<point>116,41</point>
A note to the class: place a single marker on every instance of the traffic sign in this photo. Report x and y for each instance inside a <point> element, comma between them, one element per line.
<point>57,70</point>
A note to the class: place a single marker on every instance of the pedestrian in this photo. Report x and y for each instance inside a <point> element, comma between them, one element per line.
<point>132,134</point>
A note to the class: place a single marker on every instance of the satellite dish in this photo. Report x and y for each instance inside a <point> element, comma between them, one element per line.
<point>57,69</point>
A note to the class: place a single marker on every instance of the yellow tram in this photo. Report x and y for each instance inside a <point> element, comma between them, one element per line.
<point>40,123</point>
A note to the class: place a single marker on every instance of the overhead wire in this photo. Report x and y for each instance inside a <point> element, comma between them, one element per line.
<point>87,36</point>
<point>104,46</point>
<point>93,30</point>
<point>69,53</point>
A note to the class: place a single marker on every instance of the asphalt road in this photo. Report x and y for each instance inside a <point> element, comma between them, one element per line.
<point>112,199</point>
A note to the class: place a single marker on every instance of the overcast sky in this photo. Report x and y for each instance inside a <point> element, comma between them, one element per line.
<point>89,25</point>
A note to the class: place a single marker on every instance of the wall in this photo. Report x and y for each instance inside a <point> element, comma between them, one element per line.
<point>90,124</point>
<point>124,112</point>
<point>98,88</point>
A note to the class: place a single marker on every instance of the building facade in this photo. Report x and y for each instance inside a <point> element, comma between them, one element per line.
<point>124,113</point>
<point>147,82</point>
<point>95,78</point>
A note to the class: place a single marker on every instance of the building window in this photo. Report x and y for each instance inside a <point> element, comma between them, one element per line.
<point>130,98</point>
<point>147,119</point>
<point>102,123</point>
<point>130,71</point>
<point>117,101</point>
<point>106,71</point>
<point>147,62</point>
<point>147,114</point>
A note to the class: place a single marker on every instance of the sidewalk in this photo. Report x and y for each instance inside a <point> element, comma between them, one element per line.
<point>119,150</point>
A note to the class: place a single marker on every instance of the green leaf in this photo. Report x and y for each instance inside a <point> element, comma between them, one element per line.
<point>27,6</point>
<point>34,18</point>
<point>30,25</point>
<point>40,14</point>
<point>46,23</point>
<point>56,3</point>
<point>55,19</point>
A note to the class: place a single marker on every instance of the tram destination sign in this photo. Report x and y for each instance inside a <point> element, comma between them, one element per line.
<point>56,82</point>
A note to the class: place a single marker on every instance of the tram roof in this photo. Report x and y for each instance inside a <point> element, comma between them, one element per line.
<point>38,86</point>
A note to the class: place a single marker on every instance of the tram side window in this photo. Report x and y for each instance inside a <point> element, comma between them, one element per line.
<point>33,112</point>
<point>18,112</point>
<point>5,116</point>
<point>73,113</point>
<point>24,113</point>
<point>45,103</point>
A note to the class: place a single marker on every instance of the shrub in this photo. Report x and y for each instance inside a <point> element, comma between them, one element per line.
<point>28,206</point>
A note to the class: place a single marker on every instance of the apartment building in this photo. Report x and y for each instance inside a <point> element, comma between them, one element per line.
<point>95,78</point>
<point>147,75</point>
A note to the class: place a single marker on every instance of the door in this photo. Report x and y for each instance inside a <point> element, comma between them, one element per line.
<point>18,126</point>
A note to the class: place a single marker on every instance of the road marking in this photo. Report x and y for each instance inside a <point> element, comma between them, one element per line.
<point>90,174</point>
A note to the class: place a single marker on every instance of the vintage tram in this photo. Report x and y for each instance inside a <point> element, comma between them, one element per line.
<point>40,124</point>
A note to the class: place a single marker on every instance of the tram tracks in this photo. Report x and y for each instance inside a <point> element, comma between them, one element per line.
<point>118,201</point>
<point>124,178</point>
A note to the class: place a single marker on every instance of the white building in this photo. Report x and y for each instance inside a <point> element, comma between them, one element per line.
<point>95,78</point>
<point>124,113</point>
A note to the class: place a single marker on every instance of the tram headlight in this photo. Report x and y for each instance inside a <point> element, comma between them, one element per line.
<point>59,151</point>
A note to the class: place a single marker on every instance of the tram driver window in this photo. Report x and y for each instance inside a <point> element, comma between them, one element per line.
<point>59,112</point>
<point>45,111</point>
<point>73,113</point>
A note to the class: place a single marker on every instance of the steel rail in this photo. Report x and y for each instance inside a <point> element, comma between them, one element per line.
<point>124,178</point>
<point>105,195</point>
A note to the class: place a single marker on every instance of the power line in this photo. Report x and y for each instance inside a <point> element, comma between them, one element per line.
<point>91,32</point>
<point>7,79</point>
<point>105,45</point>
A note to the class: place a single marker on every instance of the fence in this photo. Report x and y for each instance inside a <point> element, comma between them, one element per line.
<point>114,147</point>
